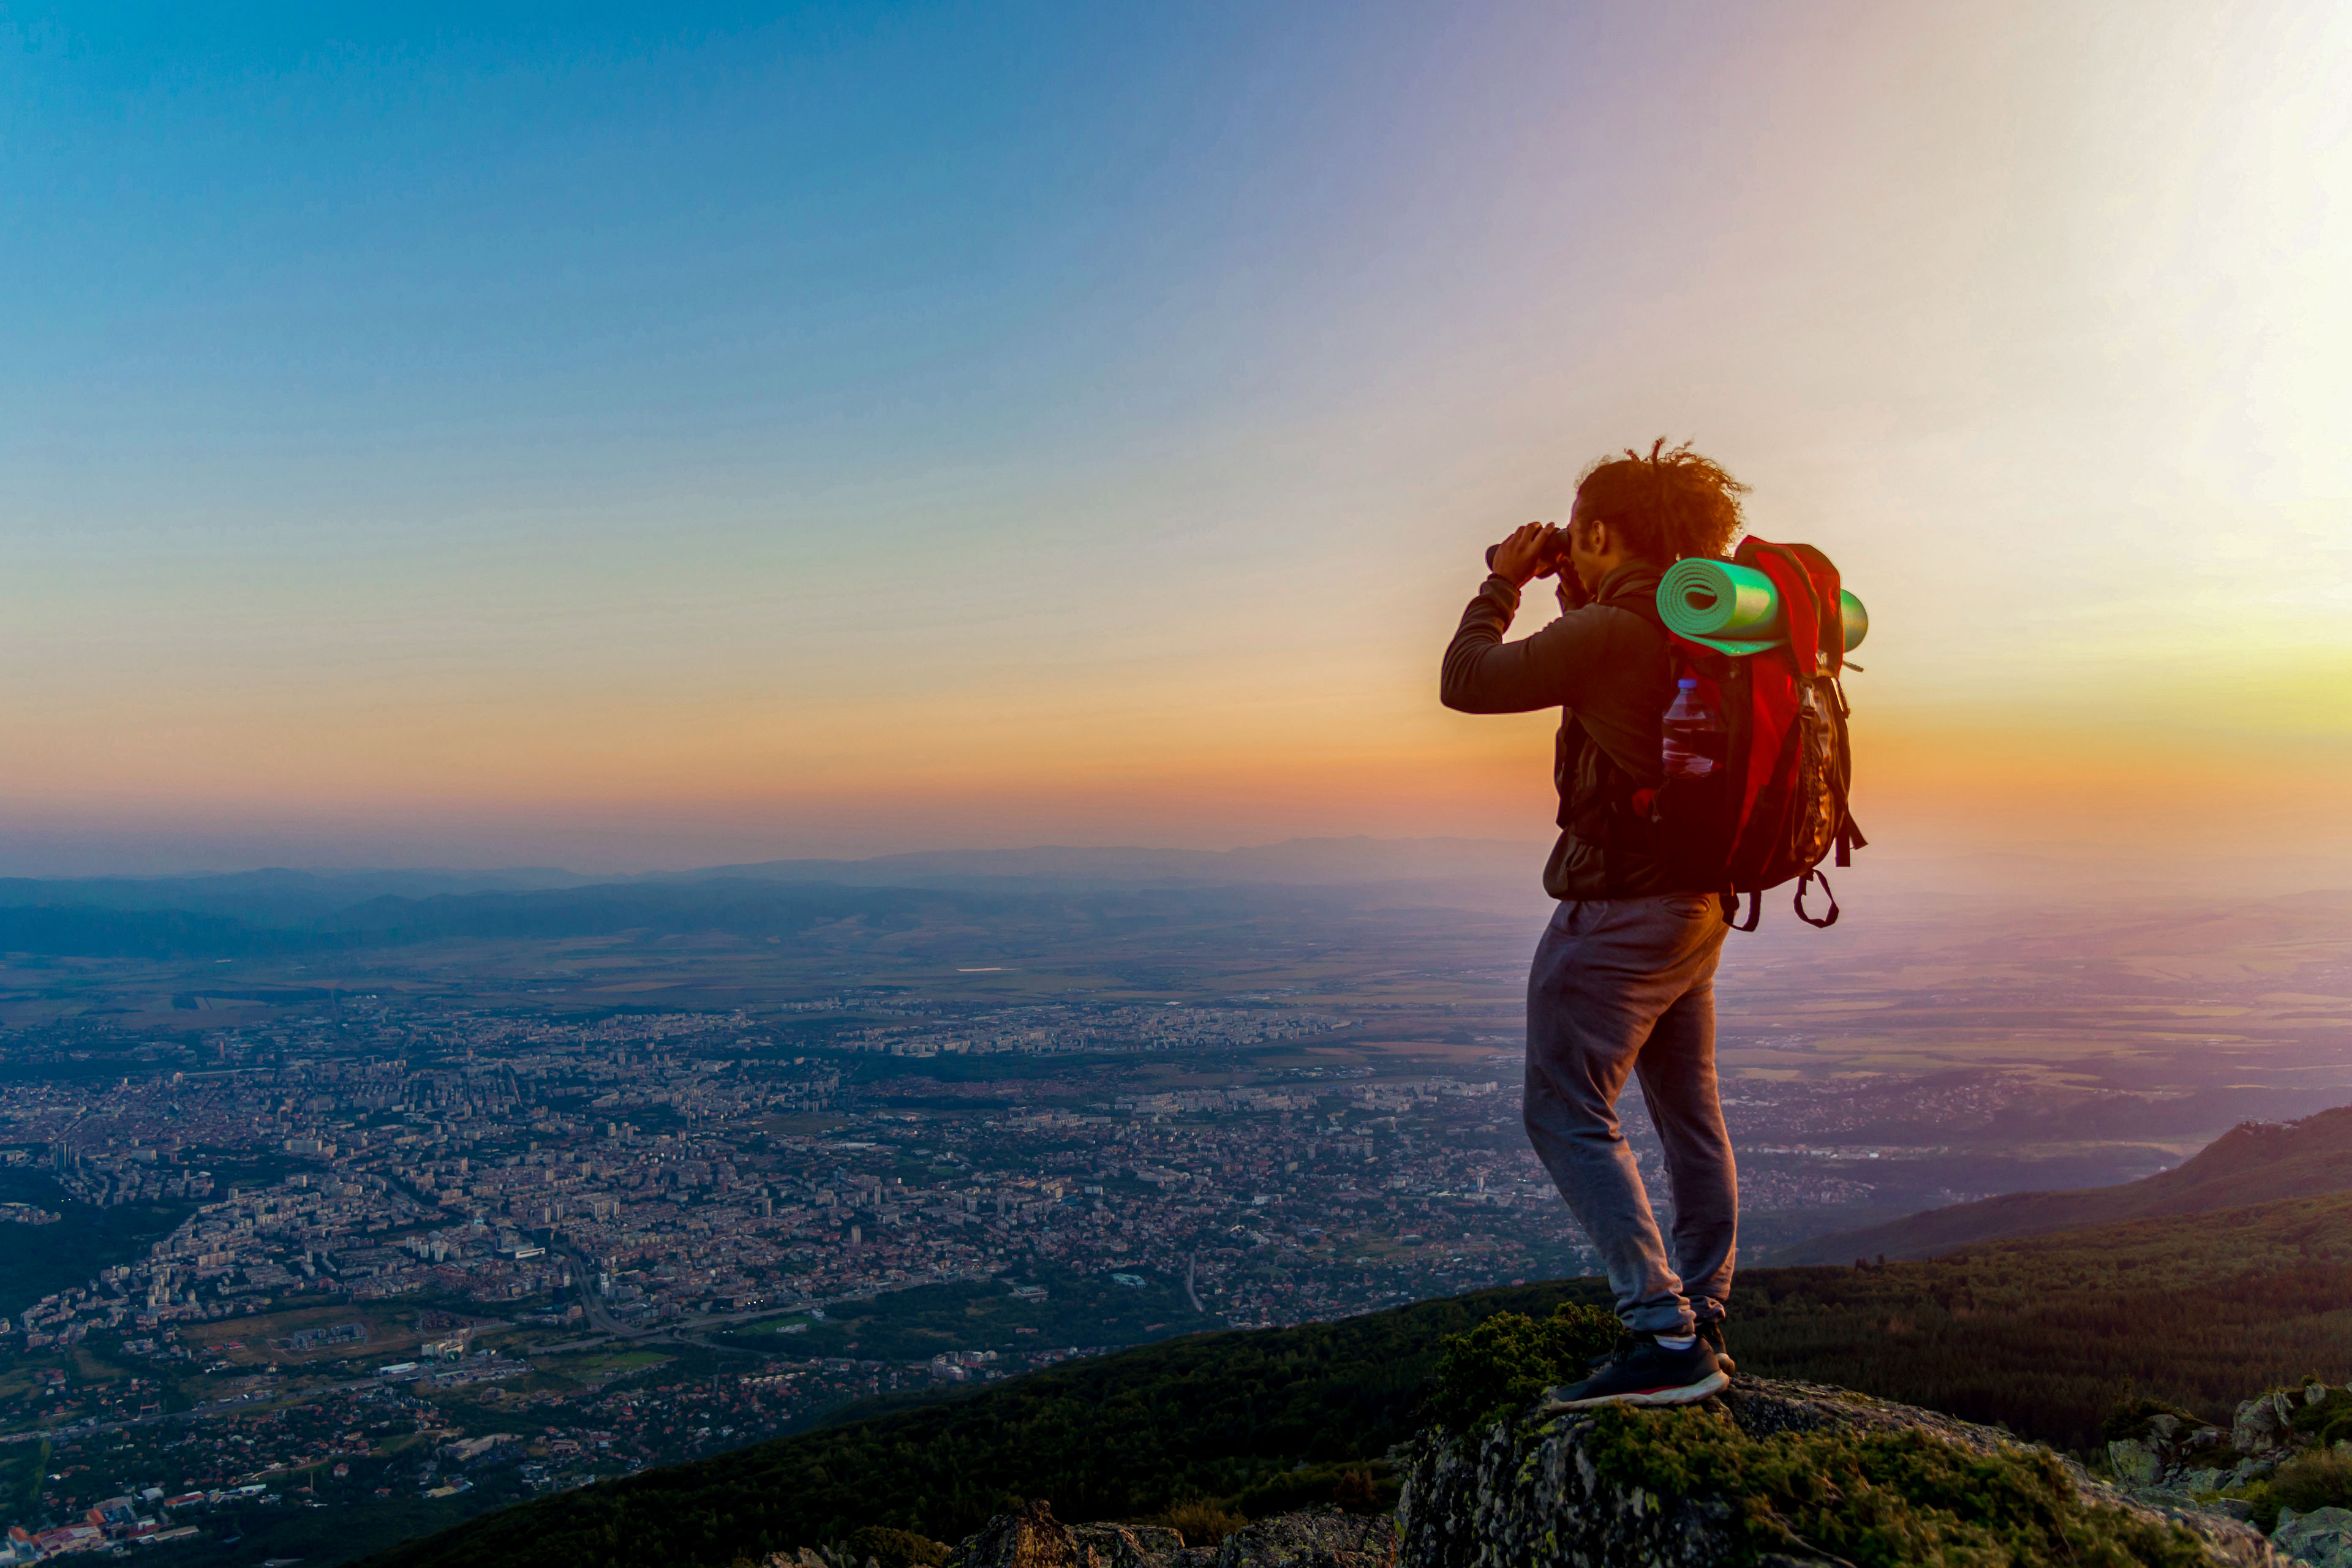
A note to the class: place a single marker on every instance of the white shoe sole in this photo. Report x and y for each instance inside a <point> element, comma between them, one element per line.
<point>1712,1383</point>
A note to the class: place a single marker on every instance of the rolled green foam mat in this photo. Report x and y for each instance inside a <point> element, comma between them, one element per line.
<point>1735,608</point>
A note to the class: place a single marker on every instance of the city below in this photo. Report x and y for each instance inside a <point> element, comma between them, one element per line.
<point>311,1252</point>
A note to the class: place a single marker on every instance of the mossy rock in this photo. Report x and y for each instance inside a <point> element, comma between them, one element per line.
<point>1879,1498</point>
<point>1783,1472</point>
<point>2325,1423</point>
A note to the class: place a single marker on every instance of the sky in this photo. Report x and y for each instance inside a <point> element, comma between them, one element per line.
<point>627,437</point>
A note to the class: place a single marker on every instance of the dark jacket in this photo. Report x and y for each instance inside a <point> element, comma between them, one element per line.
<point>1606,670</point>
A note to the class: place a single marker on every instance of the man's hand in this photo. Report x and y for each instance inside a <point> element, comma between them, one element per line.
<point>1531,551</point>
<point>1572,594</point>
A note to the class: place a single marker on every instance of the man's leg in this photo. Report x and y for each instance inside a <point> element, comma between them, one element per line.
<point>1592,995</point>
<point>1678,1083</point>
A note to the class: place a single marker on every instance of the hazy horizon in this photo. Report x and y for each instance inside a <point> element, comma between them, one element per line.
<point>1505,871</point>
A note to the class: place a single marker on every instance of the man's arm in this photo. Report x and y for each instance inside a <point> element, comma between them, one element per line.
<point>1484,674</point>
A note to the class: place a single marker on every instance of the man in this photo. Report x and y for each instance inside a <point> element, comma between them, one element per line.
<point>1622,983</point>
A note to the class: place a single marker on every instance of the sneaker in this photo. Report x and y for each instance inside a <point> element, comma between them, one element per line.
<point>1647,1373</point>
<point>1710,1334</point>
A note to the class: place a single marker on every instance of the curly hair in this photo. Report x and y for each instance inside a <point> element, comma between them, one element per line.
<point>1668,505</point>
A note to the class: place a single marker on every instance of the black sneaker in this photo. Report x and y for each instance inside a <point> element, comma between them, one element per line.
<point>1710,1334</point>
<point>1648,1373</point>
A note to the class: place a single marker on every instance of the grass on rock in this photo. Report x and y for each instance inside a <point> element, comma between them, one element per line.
<point>1880,1500</point>
<point>1877,1499</point>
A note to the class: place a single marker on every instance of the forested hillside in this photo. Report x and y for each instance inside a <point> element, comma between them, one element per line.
<point>2256,1163</point>
<point>2043,1335</point>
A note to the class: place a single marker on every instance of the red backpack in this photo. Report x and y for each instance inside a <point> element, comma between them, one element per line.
<point>1776,806</point>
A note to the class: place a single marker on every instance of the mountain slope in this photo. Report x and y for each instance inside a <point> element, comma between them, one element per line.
<point>2251,1163</point>
<point>2043,1335</point>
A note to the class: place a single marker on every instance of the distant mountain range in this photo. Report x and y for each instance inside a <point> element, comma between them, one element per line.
<point>2251,1163</point>
<point>279,895</point>
<point>1299,862</point>
<point>279,911</point>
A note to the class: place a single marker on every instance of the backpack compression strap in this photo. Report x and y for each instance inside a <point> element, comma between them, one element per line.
<point>1826,584</point>
<point>1809,605</point>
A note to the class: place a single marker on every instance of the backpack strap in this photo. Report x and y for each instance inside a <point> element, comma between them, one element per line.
<point>1805,882</point>
<point>1849,840</point>
<point>1683,654</point>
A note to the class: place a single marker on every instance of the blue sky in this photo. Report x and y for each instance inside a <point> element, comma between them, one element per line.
<point>847,429</point>
<point>581,244</point>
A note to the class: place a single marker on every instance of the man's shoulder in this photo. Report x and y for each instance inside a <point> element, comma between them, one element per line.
<point>1598,627</point>
<point>1620,615</point>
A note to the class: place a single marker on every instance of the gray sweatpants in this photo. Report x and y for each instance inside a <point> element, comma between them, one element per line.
<point>1626,986</point>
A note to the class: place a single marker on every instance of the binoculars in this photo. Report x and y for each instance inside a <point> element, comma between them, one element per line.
<point>1547,558</point>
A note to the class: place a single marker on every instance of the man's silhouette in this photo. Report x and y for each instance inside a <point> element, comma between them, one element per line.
<point>1624,979</point>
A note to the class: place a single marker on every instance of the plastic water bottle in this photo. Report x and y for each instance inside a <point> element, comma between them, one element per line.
<point>1691,735</point>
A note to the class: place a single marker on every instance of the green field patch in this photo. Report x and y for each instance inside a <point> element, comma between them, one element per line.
<point>780,1328</point>
<point>90,1367</point>
<point>17,1377</point>
<point>260,1340</point>
<point>599,1367</point>
<point>801,1124</point>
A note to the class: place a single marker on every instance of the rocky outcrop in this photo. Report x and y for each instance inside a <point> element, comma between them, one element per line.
<point>1782,1475</point>
<point>2173,1458</point>
<point>1602,1488</point>
<point>1312,1541</point>
<point>1031,1537</point>
<point>2174,1461</point>
<point>2265,1426</point>
<point>2321,1538</point>
<point>1135,1546</point>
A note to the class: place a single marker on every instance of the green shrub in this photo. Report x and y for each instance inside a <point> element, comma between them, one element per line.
<point>2322,1479</point>
<point>1358,1491</point>
<point>1368,1488</point>
<point>1879,1500</point>
<point>2326,1422</point>
<point>1199,1521</point>
<point>1499,1367</point>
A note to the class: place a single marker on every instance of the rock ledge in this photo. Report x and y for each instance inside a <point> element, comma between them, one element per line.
<point>1530,1494</point>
